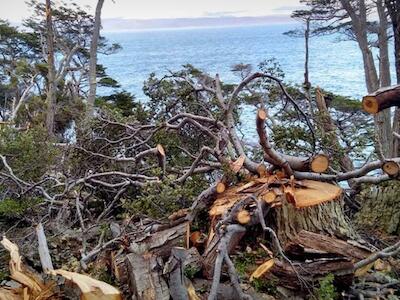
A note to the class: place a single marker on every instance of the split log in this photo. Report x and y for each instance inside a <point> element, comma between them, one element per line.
<point>146,277</point>
<point>262,269</point>
<point>391,168</point>
<point>161,242</point>
<point>32,284</point>
<point>161,158</point>
<point>91,289</point>
<point>382,99</point>
<point>33,287</point>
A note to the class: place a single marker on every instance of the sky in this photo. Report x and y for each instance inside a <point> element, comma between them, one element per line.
<point>16,10</point>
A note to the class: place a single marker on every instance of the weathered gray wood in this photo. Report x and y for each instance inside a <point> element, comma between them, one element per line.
<point>146,281</point>
<point>44,254</point>
<point>161,242</point>
<point>180,259</point>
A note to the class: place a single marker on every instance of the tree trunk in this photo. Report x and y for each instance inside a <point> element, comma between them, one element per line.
<point>51,74</point>
<point>393,8</point>
<point>328,218</point>
<point>381,208</point>
<point>382,120</point>
<point>93,57</point>
<point>385,80</point>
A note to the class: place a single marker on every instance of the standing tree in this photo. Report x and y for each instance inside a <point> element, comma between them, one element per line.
<point>393,7</point>
<point>304,16</point>
<point>93,57</point>
<point>351,18</point>
<point>51,74</point>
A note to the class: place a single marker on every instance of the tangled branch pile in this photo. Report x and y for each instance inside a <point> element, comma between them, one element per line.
<point>110,192</point>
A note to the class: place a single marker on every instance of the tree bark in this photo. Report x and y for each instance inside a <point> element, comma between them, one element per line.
<point>51,73</point>
<point>393,8</point>
<point>381,208</point>
<point>328,218</point>
<point>93,57</point>
<point>385,80</point>
<point>382,119</point>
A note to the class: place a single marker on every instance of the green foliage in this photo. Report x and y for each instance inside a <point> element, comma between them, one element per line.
<point>243,261</point>
<point>30,153</point>
<point>161,200</point>
<point>190,271</point>
<point>12,208</point>
<point>326,290</point>
<point>262,285</point>
<point>125,104</point>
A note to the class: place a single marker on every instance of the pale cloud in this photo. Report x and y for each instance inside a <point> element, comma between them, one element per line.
<point>16,10</point>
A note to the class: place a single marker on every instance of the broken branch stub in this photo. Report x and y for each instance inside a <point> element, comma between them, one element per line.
<point>382,99</point>
<point>243,217</point>
<point>391,168</point>
<point>319,163</point>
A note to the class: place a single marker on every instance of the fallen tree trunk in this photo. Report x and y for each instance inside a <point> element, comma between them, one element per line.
<point>382,99</point>
<point>305,274</point>
<point>307,245</point>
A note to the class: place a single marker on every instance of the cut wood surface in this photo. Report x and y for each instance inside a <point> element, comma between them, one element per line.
<point>269,197</point>
<point>315,192</point>
<point>382,99</point>
<point>391,168</point>
<point>262,269</point>
<point>221,187</point>
<point>238,164</point>
<point>243,217</point>
<point>319,163</point>
<point>301,194</point>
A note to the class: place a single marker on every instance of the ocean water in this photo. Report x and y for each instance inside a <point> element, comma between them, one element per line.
<point>335,66</point>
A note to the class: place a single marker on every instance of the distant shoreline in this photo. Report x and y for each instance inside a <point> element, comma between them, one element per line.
<point>196,28</point>
<point>135,25</point>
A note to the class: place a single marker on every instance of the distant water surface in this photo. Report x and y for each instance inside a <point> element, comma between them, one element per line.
<point>335,66</point>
